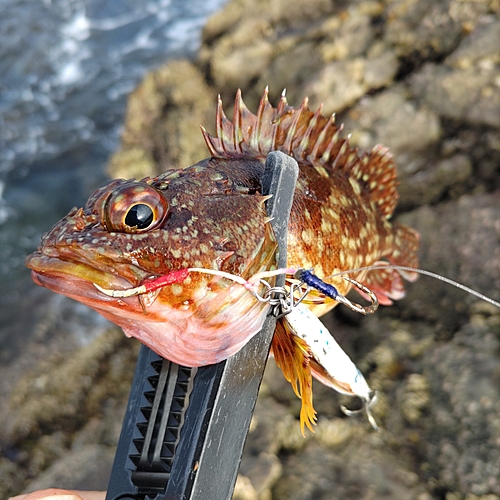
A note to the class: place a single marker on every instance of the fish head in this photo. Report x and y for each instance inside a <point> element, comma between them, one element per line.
<point>208,216</point>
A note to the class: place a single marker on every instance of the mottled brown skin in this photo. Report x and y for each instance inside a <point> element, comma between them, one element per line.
<point>208,205</point>
<point>212,215</point>
<point>343,201</point>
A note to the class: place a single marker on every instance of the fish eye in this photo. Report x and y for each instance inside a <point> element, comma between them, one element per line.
<point>134,208</point>
<point>140,216</point>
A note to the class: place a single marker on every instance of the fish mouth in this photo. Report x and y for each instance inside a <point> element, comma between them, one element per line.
<point>75,279</point>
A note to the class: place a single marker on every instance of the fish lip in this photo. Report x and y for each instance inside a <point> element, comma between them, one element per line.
<point>59,275</point>
<point>75,288</point>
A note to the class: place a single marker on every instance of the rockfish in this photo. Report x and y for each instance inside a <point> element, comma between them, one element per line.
<point>212,215</point>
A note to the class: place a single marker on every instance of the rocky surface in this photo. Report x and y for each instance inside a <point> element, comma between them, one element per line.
<point>420,76</point>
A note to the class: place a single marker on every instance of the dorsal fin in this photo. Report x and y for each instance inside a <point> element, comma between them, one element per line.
<point>307,136</point>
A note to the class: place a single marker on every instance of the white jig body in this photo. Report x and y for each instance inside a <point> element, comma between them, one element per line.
<point>341,373</point>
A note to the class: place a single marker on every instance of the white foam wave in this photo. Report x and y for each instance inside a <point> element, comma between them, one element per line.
<point>78,28</point>
<point>112,23</point>
<point>5,211</point>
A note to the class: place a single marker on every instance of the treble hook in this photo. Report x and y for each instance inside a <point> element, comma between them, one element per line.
<point>367,404</point>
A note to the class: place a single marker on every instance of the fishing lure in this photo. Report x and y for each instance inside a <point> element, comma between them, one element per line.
<point>318,347</point>
<point>299,327</point>
<point>337,368</point>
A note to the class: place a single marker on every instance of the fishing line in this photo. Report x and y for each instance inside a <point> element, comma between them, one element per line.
<point>420,271</point>
<point>253,282</point>
<point>424,272</point>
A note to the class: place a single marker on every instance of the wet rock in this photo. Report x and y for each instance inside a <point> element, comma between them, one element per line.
<point>481,45</point>
<point>262,471</point>
<point>10,479</point>
<point>245,38</point>
<point>70,399</point>
<point>269,413</point>
<point>431,185</point>
<point>340,83</point>
<point>295,62</point>
<point>422,29</point>
<point>353,62</point>
<point>438,394</point>
<point>470,94</point>
<point>243,489</point>
<point>416,397</point>
<point>461,435</point>
<point>65,389</point>
<point>460,241</point>
<point>231,67</point>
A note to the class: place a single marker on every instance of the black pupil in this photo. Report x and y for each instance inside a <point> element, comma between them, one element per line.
<point>140,216</point>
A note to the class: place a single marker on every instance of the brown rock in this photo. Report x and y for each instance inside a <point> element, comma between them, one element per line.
<point>162,122</point>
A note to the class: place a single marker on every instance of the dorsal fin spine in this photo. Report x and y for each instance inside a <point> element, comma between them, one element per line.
<point>317,147</point>
<point>282,103</point>
<point>334,140</point>
<point>209,141</point>
<point>290,136</point>
<point>340,154</point>
<point>352,159</point>
<point>219,119</point>
<point>237,118</point>
<point>309,137</point>
<point>254,140</point>
<point>304,143</point>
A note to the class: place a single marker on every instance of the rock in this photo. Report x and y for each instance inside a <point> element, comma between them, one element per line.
<point>359,472</point>
<point>460,241</point>
<point>421,29</point>
<point>460,435</point>
<point>262,471</point>
<point>354,63</point>
<point>162,122</point>
<point>64,389</point>
<point>480,46</point>
<point>243,489</point>
<point>245,38</point>
<point>295,62</point>
<point>467,86</point>
<point>86,468</point>
<point>392,118</point>
<point>436,370</point>
<point>232,66</point>
<point>11,480</point>
<point>430,185</point>
<point>416,397</point>
<point>461,94</point>
<point>71,398</point>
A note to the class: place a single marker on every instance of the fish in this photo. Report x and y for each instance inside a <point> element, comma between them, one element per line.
<point>212,216</point>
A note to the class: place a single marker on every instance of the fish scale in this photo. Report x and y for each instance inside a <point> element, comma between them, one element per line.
<point>212,216</point>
